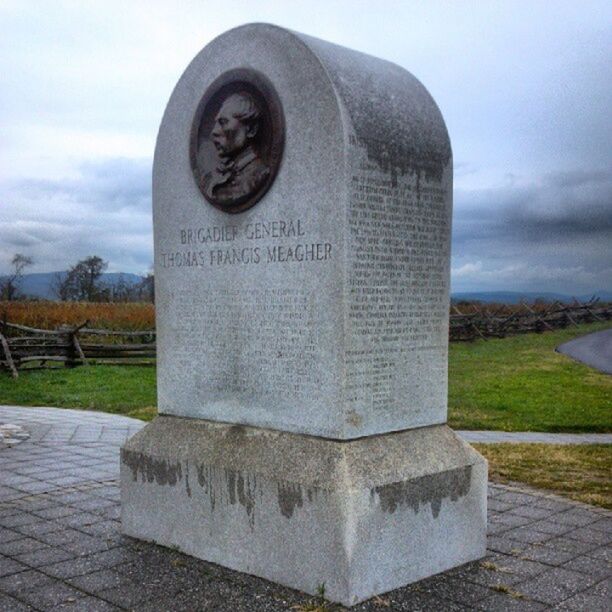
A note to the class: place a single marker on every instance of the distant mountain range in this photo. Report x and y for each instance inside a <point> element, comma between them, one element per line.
<point>515,297</point>
<point>40,285</point>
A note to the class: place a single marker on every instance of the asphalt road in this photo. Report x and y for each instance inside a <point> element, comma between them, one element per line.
<point>595,350</point>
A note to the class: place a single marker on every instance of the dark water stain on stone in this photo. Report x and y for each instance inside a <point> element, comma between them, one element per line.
<point>289,497</point>
<point>246,496</point>
<point>241,488</point>
<point>237,431</point>
<point>150,469</point>
<point>230,477</point>
<point>205,481</point>
<point>432,490</point>
<point>187,486</point>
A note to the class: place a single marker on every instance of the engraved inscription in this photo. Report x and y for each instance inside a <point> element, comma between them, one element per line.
<point>234,245</point>
<point>278,344</point>
<point>397,277</point>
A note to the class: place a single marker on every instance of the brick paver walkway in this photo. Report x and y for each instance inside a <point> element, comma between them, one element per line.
<point>61,548</point>
<point>495,437</point>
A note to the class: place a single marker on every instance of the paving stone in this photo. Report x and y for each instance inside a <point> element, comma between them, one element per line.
<point>458,591</point>
<point>24,545</point>
<point>8,535</point>
<point>590,535</point>
<point>593,599</point>
<point>555,585</point>
<point>100,580</point>
<point>601,553</point>
<point>548,526</point>
<point>13,605</point>
<point>16,479</point>
<point>575,516</point>
<point>505,545</point>
<point>80,519</point>
<point>588,565</point>
<point>57,512</point>
<point>552,504</point>
<point>125,596</point>
<point>520,567</point>
<point>10,566</point>
<point>603,524</point>
<point>547,554</point>
<point>40,502</point>
<point>566,544</point>
<point>487,573</point>
<point>7,494</point>
<point>510,520</point>
<point>49,595</point>
<point>496,505</point>
<point>531,511</point>
<point>73,567</point>
<point>94,504</point>
<point>8,509</point>
<point>517,498</point>
<point>503,602</point>
<point>88,604</point>
<point>23,518</point>
<point>528,535</point>
<point>114,557</point>
<point>112,513</point>
<point>102,529</point>
<point>44,556</point>
<point>497,529</point>
<point>29,579</point>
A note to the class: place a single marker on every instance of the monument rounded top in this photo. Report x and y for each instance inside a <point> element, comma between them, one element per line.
<point>302,197</point>
<point>244,84</point>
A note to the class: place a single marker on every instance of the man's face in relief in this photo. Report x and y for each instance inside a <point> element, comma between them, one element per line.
<point>230,134</point>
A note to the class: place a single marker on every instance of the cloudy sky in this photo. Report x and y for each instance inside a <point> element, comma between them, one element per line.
<point>525,88</point>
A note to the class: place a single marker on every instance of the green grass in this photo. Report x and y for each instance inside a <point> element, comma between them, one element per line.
<point>128,390</point>
<point>580,472</point>
<point>512,384</point>
<point>520,383</point>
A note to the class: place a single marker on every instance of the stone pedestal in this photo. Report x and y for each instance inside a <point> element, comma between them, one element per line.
<point>359,517</point>
<point>302,197</point>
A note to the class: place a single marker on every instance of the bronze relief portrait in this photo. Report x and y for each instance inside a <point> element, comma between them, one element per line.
<point>237,140</point>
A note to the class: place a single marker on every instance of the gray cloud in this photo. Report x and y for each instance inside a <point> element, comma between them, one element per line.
<point>105,210</point>
<point>111,183</point>
<point>552,235</point>
<point>526,105</point>
<point>560,206</point>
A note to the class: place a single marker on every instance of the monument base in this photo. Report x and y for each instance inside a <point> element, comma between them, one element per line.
<point>357,517</point>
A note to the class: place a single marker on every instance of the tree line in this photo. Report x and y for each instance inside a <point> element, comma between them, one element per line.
<point>82,282</point>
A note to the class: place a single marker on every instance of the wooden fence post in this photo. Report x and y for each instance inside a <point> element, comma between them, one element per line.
<point>8,356</point>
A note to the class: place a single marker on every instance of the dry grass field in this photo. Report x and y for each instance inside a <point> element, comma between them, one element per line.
<point>50,315</point>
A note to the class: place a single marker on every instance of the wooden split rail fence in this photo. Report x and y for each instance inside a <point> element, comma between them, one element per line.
<point>34,348</point>
<point>477,321</point>
<point>21,345</point>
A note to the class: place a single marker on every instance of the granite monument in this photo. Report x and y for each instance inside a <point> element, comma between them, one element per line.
<point>302,197</point>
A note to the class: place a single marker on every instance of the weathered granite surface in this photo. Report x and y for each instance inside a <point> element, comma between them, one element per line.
<point>360,517</point>
<point>323,309</point>
<point>303,325</point>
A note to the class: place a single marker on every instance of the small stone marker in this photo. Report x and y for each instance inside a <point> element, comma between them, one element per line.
<point>302,210</point>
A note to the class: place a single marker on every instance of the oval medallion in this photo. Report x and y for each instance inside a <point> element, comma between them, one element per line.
<point>237,140</point>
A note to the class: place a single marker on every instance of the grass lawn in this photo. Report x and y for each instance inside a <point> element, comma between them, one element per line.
<point>580,472</point>
<point>520,383</point>
<point>128,390</point>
